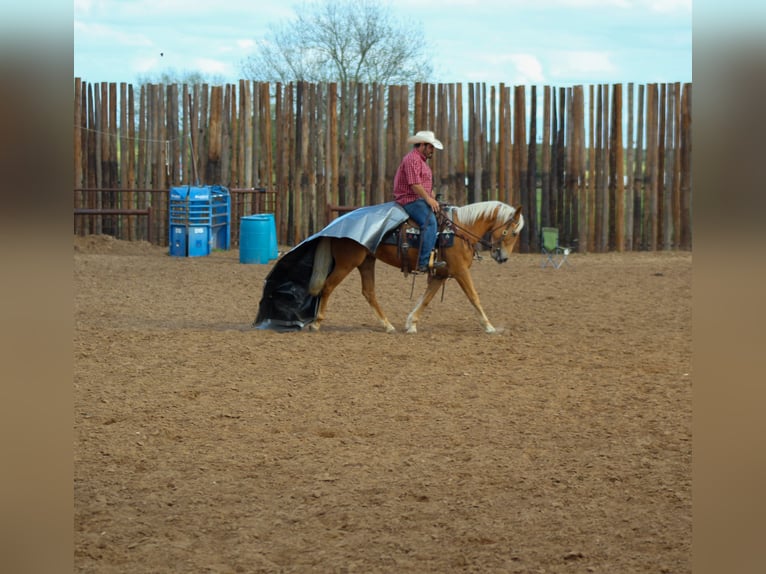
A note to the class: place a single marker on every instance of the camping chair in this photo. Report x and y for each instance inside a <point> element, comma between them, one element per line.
<point>553,253</point>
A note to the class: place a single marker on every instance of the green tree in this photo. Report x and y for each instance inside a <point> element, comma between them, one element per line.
<point>344,41</point>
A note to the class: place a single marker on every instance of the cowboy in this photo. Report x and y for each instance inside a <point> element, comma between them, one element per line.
<point>413,190</point>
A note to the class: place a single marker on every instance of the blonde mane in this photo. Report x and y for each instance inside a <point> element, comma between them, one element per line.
<point>502,212</point>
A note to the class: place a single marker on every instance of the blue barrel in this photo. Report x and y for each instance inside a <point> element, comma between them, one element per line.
<point>257,238</point>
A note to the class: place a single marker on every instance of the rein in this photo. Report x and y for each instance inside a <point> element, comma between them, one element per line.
<point>477,238</point>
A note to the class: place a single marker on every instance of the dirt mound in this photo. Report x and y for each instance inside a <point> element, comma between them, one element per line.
<point>107,244</point>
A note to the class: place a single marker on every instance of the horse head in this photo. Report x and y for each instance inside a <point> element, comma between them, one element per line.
<point>504,235</point>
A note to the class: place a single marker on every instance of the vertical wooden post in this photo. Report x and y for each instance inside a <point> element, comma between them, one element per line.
<point>379,158</point>
<point>491,192</point>
<point>361,193</point>
<point>212,167</point>
<point>442,175</point>
<point>176,142</point>
<point>629,189</point>
<point>591,185</point>
<point>561,156</point>
<point>332,142</point>
<point>599,197</point>
<point>569,202</point>
<point>662,204</point>
<point>510,169</point>
<point>686,156</point>
<point>111,147</point>
<point>580,216</point>
<point>650,204</point>
<point>477,147</point>
<point>77,139</point>
<point>520,159</point>
<point>292,175</point>
<point>283,197</point>
<point>639,191</point>
<point>608,211</point>
<point>617,169</point>
<point>676,174</point>
<point>484,144</point>
<point>228,139</point>
<point>244,156</point>
<point>531,201</point>
<point>502,134</point>
<point>451,146</point>
<point>545,175</point>
<point>460,168</point>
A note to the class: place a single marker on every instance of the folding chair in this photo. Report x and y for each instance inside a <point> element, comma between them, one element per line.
<point>553,253</point>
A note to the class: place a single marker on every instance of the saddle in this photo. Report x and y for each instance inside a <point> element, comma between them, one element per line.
<point>407,236</point>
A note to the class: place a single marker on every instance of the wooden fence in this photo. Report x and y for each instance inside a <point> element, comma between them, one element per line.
<point>609,165</point>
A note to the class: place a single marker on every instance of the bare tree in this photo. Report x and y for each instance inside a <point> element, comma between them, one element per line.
<point>172,76</point>
<point>343,41</point>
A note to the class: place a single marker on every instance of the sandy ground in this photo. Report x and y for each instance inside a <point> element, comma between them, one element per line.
<point>560,444</point>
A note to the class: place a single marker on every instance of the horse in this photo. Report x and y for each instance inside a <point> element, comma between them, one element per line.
<point>489,225</point>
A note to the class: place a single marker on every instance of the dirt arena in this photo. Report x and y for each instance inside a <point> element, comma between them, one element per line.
<point>560,444</point>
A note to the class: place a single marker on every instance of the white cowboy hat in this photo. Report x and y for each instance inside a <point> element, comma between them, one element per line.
<point>425,137</point>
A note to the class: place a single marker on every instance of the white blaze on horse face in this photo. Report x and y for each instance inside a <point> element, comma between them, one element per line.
<point>520,225</point>
<point>508,241</point>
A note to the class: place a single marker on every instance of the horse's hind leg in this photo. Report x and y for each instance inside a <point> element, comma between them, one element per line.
<point>367,271</point>
<point>433,286</point>
<point>350,260</point>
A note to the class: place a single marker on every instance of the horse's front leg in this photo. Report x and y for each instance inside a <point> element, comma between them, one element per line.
<point>367,271</point>
<point>466,284</point>
<point>433,286</point>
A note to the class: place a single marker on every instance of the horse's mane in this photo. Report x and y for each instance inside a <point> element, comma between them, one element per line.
<point>502,212</point>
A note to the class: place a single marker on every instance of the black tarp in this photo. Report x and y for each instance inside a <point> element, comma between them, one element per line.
<point>286,304</point>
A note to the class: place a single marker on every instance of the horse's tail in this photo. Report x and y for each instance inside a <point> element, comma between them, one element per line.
<point>321,269</point>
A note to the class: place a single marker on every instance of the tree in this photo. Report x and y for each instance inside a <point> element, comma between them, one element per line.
<point>172,76</point>
<point>343,41</point>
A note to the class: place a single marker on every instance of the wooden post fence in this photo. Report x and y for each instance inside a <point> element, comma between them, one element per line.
<point>609,165</point>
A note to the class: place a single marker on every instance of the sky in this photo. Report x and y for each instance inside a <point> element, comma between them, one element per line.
<point>515,42</point>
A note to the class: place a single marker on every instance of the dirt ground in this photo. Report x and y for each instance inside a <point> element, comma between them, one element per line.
<point>560,444</point>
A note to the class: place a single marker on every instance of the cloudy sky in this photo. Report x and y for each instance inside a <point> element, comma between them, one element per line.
<point>544,42</point>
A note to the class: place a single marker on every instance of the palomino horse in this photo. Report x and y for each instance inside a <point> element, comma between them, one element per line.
<point>491,224</point>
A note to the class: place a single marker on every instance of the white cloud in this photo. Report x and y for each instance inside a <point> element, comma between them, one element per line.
<point>96,32</point>
<point>668,6</point>
<point>528,68</point>
<point>241,46</point>
<point>503,6</point>
<point>585,64</point>
<point>144,65</point>
<point>593,3</point>
<point>210,66</point>
<point>514,68</point>
<point>82,6</point>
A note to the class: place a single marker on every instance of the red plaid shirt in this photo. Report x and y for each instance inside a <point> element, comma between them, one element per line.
<point>413,169</point>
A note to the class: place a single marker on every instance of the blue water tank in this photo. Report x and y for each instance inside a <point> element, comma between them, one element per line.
<point>258,238</point>
<point>199,220</point>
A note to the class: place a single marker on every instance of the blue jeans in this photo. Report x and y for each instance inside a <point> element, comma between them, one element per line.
<point>424,216</point>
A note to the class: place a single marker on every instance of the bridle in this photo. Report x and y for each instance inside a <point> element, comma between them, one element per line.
<point>492,246</point>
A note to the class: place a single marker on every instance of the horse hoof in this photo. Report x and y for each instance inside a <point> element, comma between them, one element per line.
<point>390,329</point>
<point>490,329</point>
<point>314,327</point>
<point>412,329</point>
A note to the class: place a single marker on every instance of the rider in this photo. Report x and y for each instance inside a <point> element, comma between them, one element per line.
<point>413,190</point>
